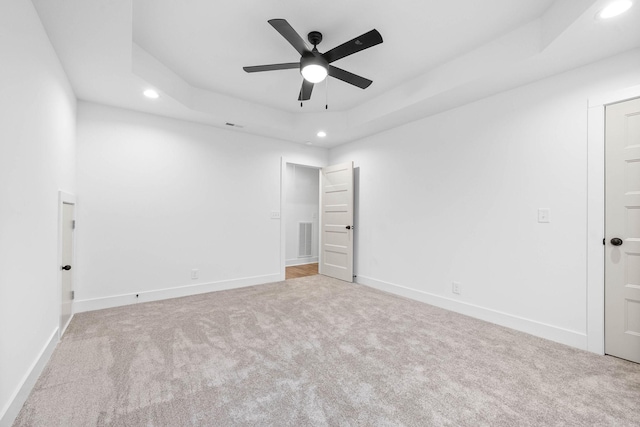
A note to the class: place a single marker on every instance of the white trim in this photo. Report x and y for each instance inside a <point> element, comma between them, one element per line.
<point>68,198</point>
<point>68,322</point>
<point>301,261</point>
<point>543,330</point>
<point>595,212</point>
<point>614,97</point>
<point>175,292</point>
<point>12,409</point>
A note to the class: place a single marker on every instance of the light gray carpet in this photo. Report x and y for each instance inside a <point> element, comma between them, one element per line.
<point>317,351</point>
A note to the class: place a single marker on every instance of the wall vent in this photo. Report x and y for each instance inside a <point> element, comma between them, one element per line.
<point>234,125</point>
<point>304,239</point>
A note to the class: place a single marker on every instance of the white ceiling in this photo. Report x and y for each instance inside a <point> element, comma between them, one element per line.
<point>436,55</point>
<point>207,43</point>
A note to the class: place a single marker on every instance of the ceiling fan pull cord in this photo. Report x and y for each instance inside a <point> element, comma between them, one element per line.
<point>326,93</point>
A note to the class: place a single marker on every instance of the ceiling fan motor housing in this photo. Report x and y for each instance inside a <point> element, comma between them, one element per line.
<point>310,59</point>
<point>314,37</point>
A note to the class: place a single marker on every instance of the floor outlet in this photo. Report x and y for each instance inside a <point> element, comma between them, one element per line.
<point>455,288</point>
<point>195,273</point>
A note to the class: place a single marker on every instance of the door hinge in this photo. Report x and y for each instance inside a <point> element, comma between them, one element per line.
<point>73,224</point>
<point>603,241</point>
<point>73,294</point>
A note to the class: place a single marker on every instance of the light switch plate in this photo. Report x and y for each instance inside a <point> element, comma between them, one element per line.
<point>275,215</point>
<point>544,215</point>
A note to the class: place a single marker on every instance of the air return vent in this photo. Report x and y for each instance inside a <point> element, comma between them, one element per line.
<point>234,125</point>
<point>304,239</point>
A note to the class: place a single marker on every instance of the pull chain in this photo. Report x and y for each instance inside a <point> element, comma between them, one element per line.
<point>326,93</point>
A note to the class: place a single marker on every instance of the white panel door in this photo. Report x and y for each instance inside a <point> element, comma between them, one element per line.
<point>336,216</point>
<point>622,230</point>
<point>67,260</point>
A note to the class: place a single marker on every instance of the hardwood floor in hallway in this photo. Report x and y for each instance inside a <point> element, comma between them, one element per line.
<point>305,270</point>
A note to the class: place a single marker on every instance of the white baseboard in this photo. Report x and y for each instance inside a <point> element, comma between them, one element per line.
<point>301,261</point>
<point>12,409</point>
<point>543,330</point>
<point>80,306</point>
<point>64,328</point>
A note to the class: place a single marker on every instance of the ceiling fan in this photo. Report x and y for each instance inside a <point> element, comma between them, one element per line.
<point>314,66</point>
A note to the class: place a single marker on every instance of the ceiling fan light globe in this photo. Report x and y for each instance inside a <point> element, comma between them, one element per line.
<point>314,73</point>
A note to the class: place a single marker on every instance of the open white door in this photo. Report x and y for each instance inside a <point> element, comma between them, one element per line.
<point>336,221</point>
<point>622,228</point>
<point>66,256</point>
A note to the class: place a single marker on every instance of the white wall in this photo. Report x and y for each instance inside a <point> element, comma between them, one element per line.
<point>160,197</point>
<point>37,158</point>
<point>302,205</point>
<point>454,197</point>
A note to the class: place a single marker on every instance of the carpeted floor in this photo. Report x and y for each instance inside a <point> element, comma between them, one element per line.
<point>317,351</point>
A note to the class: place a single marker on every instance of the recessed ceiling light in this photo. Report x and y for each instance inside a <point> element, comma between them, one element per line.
<point>322,134</point>
<point>308,143</point>
<point>615,8</point>
<point>150,93</point>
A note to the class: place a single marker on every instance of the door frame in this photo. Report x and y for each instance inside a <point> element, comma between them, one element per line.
<point>595,211</point>
<point>70,199</point>
<point>283,202</point>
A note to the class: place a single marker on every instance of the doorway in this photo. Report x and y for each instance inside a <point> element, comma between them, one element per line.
<point>334,201</point>
<point>300,220</point>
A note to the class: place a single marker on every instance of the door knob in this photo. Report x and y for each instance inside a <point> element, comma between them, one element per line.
<point>348,227</point>
<point>616,241</point>
<point>65,267</point>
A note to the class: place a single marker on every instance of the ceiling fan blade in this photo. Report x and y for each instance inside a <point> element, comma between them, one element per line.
<point>271,67</point>
<point>348,77</point>
<point>363,42</point>
<point>287,31</point>
<point>305,91</point>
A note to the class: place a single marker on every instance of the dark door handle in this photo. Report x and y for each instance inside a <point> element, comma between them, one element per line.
<point>616,241</point>
<point>65,267</point>
<point>348,227</point>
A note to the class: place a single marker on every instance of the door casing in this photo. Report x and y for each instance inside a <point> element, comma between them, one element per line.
<point>283,202</point>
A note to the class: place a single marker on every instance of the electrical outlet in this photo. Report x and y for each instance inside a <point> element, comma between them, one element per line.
<point>195,273</point>
<point>455,288</point>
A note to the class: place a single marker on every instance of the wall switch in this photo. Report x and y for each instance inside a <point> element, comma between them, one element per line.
<point>544,215</point>
<point>455,288</point>
<point>275,215</point>
<point>195,273</point>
